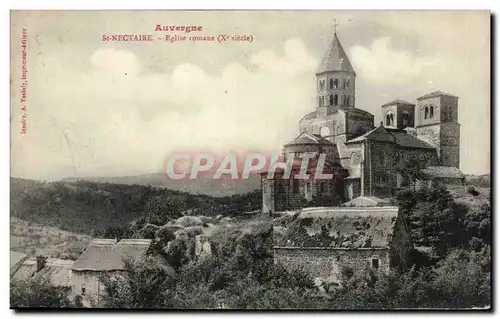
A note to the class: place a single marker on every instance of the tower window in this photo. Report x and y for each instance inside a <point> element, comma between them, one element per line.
<point>319,101</point>
<point>331,99</point>
<point>431,113</point>
<point>450,113</point>
<point>375,263</point>
<point>426,115</point>
<point>389,119</point>
<point>336,99</point>
<point>406,119</point>
<point>336,84</point>
<point>331,83</point>
<point>322,84</point>
<point>346,84</point>
<point>348,99</point>
<point>83,290</point>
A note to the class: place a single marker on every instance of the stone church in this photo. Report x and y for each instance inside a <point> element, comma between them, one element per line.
<point>365,160</point>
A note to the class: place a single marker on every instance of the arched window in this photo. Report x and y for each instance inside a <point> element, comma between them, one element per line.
<point>319,101</point>
<point>389,119</point>
<point>431,113</point>
<point>336,84</point>
<point>450,113</point>
<point>426,115</point>
<point>348,100</point>
<point>406,119</point>
<point>336,99</point>
<point>331,83</point>
<point>346,84</point>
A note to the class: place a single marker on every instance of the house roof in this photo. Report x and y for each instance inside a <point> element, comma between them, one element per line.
<point>341,227</point>
<point>57,271</point>
<point>443,172</point>
<point>16,257</point>
<point>401,138</point>
<point>397,101</point>
<point>107,254</point>
<point>308,138</point>
<point>434,94</point>
<point>335,58</point>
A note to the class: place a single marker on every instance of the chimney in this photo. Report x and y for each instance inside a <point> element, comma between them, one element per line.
<point>40,263</point>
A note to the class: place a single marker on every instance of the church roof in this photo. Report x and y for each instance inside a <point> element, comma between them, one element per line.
<point>434,94</point>
<point>401,138</point>
<point>406,140</point>
<point>335,58</point>
<point>335,109</point>
<point>341,228</point>
<point>377,134</point>
<point>308,138</point>
<point>398,101</point>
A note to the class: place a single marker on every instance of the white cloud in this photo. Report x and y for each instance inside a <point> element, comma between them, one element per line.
<point>130,122</point>
<point>381,63</point>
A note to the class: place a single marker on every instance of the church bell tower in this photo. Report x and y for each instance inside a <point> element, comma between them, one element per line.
<point>335,78</point>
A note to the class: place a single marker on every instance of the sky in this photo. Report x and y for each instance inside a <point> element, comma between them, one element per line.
<point>99,108</point>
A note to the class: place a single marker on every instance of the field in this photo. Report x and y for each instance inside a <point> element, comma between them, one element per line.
<point>35,240</point>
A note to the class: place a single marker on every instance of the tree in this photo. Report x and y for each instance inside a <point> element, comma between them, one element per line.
<point>436,220</point>
<point>145,284</point>
<point>413,171</point>
<point>38,293</point>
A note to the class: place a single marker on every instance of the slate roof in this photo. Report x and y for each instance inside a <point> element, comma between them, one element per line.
<point>401,138</point>
<point>308,138</point>
<point>341,228</point>
<point>335,58</point>
<point>329,167</point>
<point>406,140</point>
<point>376,134</point>
<point>434,94</point>
<point>107,254</point>
<point>58,271</point>
<point>398,101</point>
<point>443,172</point>
<point>367,201</point>
<point>16,257</point>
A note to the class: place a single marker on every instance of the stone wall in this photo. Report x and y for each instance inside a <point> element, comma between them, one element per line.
<point>90,281</point>
<point>327,263</point>
<point>450,144</point>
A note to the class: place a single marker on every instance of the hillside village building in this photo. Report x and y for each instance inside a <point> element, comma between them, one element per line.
<point>81,277</point>
<point>104,256</point>
<point>366,160</point>
<point>330,242</point>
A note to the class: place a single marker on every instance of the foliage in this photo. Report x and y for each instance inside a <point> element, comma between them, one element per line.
<point>104,208</point>
<point>144,285</point>
<point>436,220</point>
<point>38,293</point>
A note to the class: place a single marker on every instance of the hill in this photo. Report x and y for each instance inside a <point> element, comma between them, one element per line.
<point>83,206</point>
<point>202,185</point>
